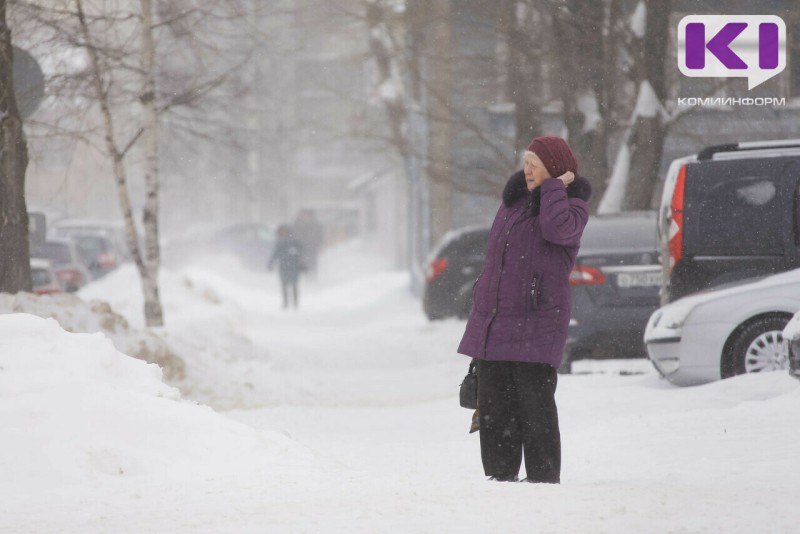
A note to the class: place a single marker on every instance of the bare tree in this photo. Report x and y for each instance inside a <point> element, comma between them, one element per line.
<point>635,173</point>
<point>524,63</point>
<point>586,44</point>
<point>604,65</point>
<point>100,81</point>
<point>152,259</point>
<point>15,273</point>
<point>117,70</point>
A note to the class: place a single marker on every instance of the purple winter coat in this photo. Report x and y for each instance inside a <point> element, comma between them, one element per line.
<point>521,300</point>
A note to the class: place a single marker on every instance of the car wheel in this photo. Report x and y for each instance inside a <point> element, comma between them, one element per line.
<point>572,355</point>
<point>758,347</point>
<point>566,365</point>
<point>432,312</point>
<point>433,315</point>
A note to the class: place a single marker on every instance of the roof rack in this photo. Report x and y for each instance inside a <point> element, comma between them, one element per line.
<point>708,152</point>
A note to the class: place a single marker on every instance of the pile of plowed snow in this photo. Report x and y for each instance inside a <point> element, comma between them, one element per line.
<point>79,316</point>
<point>73,409</point>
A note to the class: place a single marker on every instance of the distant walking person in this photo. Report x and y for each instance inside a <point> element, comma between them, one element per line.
<point>288,253</point>
<point>308,230</point>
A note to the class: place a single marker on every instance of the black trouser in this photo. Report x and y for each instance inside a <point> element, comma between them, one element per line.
<point>289,289</point>
<point>518,412</point>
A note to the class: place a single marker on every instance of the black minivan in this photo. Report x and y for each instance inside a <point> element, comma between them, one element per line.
<point>729,213</point>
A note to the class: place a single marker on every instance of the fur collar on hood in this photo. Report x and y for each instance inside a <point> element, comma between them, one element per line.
<point>516,188</point>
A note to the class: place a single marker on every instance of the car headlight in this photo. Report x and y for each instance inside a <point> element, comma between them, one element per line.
<point>673,318</point>
<point>666,324</point>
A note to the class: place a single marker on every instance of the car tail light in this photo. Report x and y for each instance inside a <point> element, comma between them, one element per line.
<point>582,276</point>
<point>106,260</point>
<point>435,269</point>
<point>676,226</point>
<point>47,290</point>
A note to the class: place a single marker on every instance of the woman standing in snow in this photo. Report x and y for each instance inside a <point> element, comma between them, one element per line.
<point>517,329</point>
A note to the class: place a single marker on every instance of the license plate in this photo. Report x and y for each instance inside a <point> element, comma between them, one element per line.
<point>639,279</point>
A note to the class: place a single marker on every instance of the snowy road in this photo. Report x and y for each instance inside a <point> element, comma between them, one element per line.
<point>639,455</point>
<point>355,396</point>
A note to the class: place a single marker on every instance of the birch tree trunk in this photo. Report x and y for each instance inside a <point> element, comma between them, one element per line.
<point>148,280</point>
<point>153,313</point>
<point>15,267</point>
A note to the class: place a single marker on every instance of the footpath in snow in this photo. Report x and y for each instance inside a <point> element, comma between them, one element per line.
<point>342,416</point>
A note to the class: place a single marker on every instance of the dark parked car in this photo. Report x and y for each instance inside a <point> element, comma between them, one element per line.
<point>615,283</point>
<point>112,231</point>
<point>63,255</point>
<point>100,244</point>
<point>97,252</point>
<point>452,269</point>
<point>615,286</point>
<point>730,213</point>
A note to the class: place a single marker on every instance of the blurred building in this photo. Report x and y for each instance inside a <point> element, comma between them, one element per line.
<point>296,118</point>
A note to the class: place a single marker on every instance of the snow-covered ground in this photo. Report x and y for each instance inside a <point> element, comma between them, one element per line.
<point>343,417</point>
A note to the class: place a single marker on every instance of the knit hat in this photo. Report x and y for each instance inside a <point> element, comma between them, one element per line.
<point>555,154</point>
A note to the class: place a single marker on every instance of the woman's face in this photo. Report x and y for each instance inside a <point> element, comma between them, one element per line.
<point>535,172</point>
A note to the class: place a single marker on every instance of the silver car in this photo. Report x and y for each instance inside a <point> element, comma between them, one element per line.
<point>724,332</point>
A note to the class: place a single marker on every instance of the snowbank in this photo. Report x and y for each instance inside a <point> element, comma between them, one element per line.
<point>354,425</point>
<point>205,309</point>
<point>76,315</point>
<point>74,410</point>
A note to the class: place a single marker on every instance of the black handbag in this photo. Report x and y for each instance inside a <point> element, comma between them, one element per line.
<point>468,393</point>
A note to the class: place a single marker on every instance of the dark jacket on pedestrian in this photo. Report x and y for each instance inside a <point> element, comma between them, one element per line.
<point>522,299</point>
<point>288,253</point>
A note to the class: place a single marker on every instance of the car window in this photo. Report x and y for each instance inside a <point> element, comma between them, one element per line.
<point>57,253</point>
<point>472,243</point>
<point>40,277</point>
<point>738,217</point>
<point>90,246</point>
<point>615,233</point>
